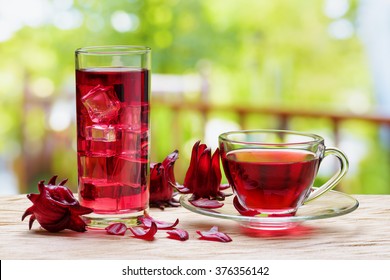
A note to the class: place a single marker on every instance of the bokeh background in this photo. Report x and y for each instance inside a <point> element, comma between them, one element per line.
<point>319,66</point>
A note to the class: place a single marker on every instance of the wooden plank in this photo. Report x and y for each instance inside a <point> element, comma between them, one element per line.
<point>362,234</point>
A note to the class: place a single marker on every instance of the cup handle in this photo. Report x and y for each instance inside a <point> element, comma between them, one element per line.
<point>332,182</point>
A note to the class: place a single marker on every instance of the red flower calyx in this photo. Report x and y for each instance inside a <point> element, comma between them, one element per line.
<point>55,208</point>
<point>203,177</point>
<point>162,182</point>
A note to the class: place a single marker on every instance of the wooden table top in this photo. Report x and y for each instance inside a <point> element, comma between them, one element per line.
<point>362,234</point>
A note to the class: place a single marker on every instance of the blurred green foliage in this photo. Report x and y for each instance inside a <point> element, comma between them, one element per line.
<point>257,52</point>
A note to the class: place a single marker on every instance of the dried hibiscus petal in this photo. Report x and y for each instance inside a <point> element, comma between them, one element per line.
<point>242,210</point>
<point>178,234</point>
<point>162,181</point>
<point>141,233</point>
<point>214,235</point>
<point>147,221</point>
<point>116,229</point>
<point>224,187</point>
<point>182,189</point>
<point>206,203</point>
<point>55,208</point>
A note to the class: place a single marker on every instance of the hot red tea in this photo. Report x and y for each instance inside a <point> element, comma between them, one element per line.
<point>271,180</point>
<point>112,139</point>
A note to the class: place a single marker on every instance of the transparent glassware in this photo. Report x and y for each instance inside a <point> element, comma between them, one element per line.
<point>112,105</point>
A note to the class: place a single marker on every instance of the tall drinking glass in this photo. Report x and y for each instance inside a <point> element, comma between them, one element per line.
<point>112,101</point>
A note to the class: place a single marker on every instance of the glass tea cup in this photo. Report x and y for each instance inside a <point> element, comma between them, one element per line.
<point>272,171</point>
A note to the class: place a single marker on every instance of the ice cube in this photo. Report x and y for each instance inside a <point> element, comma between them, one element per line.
<point>95,167</point>
<point>130,117</point>
<point>102,104</point>
<point>100,132</point>
<point>102,140</point>
<point>129,171</point>
<point>100,195</point>
<point>134,143</point>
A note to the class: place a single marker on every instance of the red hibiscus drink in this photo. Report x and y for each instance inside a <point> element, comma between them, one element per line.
<point>112,101</point>
<point>272,171</point>
<point>271,179</point>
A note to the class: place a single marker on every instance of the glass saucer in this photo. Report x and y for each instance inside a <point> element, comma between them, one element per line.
<point>331,204</point>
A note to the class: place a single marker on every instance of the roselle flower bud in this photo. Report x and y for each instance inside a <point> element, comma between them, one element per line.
<point>162,181</point>
<point>203,177</point>
<point>55,208</point>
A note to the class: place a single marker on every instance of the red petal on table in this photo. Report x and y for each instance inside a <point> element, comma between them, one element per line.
<point>214,235</point>
<point>147,221</point>
<point>116,229</point>
<point>174,202</point>
<point>206,203</point>
<point>141,233</point>
<point>224,187</point>
<point>242,210</point>
<point>182,189</point>
<point>179,234</point>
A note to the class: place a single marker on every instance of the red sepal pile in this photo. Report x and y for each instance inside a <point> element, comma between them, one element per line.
<point>148,228</point>
<point>55,208</point>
